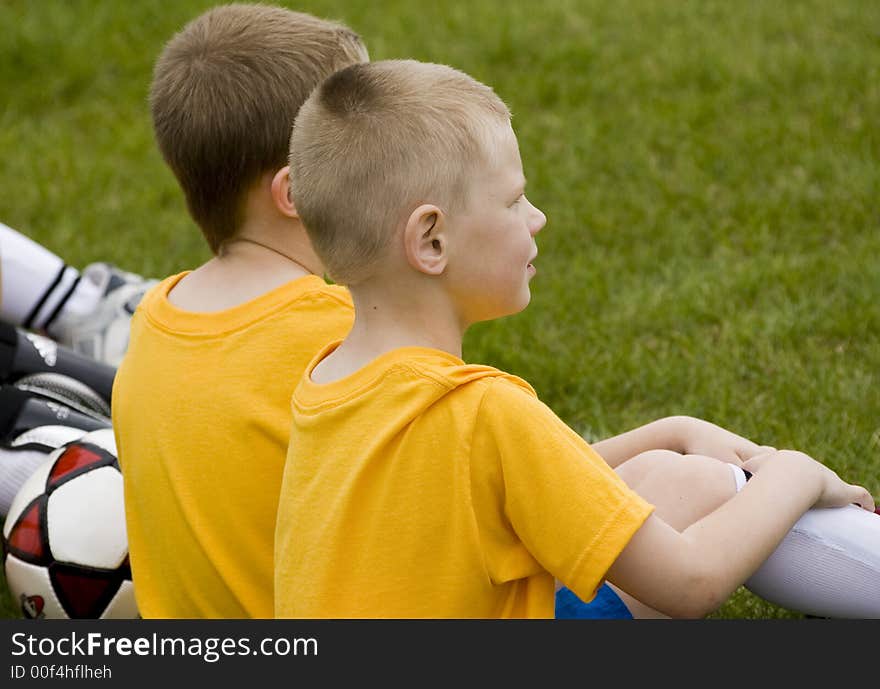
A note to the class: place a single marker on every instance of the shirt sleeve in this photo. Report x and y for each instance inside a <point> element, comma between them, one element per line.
<point>543,498</point>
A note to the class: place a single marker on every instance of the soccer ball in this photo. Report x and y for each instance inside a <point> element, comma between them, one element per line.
<point>64,541</point>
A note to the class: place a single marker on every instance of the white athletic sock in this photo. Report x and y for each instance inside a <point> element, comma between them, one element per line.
<point>828,565</point>
<point>36,286</point>
<point>739,476</point>
<point>16,466</point>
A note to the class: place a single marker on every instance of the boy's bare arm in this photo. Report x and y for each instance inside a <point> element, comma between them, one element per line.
<point>683,434</point>
<point>719,552</point>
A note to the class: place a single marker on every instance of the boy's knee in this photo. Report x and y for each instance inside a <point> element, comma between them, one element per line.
<point>636,469</point>
<point>683,488</point>
<point>708,477</point>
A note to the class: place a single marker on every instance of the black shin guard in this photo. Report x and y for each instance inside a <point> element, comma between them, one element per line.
<point>21,411</point>
<point>28,357</point>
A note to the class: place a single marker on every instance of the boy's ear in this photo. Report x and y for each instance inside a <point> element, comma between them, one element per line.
<point>425,242</point>
<point>281,193</point>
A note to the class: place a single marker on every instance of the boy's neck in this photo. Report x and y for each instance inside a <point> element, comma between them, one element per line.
<point>262,249</point>
<point>408,321</point>
<point>266,228</point>
<point>388,318</point>
<point>258,260</point>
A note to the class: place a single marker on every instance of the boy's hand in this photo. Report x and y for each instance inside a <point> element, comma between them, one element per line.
<point>834,491</point>
<point>699,437</point>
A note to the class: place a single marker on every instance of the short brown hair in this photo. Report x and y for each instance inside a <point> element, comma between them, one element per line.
<point>225,92</point>
<point>375,141</point>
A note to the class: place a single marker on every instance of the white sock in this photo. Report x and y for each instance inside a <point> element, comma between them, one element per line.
<point>739,476</point>
<point>16,466</point>
<point>36,286</point>
<point>828,565</point>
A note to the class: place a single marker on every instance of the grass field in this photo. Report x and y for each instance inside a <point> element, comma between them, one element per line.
<point>710,173</point>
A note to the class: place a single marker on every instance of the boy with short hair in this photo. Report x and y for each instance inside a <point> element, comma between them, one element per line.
<point>419,486</point>
<point>201,400</point>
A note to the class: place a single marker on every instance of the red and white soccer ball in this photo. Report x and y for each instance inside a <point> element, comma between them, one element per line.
<point>64,540</point>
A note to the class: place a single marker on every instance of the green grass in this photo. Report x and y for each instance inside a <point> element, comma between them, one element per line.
<point>709,171</point>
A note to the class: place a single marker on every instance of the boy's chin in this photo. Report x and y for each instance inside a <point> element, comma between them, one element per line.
<point>525,300</point>
<point>515,308</point>
<point>503,310</point>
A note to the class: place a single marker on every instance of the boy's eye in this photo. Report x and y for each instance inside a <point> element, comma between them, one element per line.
<point>519,198</point>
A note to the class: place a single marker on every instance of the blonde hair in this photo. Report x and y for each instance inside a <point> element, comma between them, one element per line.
<point>225,92</point>
<point>375,141</point>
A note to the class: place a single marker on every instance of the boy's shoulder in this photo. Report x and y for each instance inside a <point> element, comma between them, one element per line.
<point>507,398</point>
<point>325,307</point>
<point>411,378</point>
<point>453,373</point>
<point>501,402</point>
<point>484,390</point>
<point>160,290</point>
<point>306,288</point>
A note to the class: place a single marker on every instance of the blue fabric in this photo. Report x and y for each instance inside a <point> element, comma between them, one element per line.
<point>606,605</point>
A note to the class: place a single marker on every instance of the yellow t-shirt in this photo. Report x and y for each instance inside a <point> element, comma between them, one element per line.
<point>423,487</point>
<point>201,414</point>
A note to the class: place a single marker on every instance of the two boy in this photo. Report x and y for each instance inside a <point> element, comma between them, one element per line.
<point>202,400</point>
<point>202,462</point>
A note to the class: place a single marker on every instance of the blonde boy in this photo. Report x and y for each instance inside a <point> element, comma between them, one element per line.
<point>417,485</point>
<point>201,401</point>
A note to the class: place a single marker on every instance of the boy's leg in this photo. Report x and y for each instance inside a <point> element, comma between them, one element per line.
<point>102,332</point>
<point>683,490</point>
<point>827,566</point>
<point>36,283</point>
<point>88,312</point>
<point>32,425</point>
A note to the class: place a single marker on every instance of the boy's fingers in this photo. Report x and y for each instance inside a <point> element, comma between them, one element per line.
<point>864,499</point>
<point>755,451</point>
<point>754,463</point>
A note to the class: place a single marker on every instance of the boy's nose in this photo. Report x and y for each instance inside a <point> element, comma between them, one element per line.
<point>538,219</point>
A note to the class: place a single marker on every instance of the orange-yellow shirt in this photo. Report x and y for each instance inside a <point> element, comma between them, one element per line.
<point>423,487</point>
<point>201,414</point>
